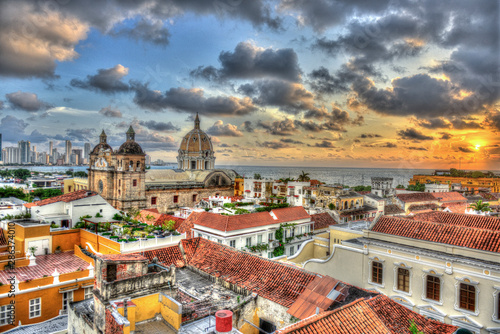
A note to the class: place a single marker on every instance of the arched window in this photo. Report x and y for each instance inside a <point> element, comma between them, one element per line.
<point>138,164</point>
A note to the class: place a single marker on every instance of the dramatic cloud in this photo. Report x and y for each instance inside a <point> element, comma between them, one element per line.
<point>148,31</point>
<point>221,129</point>
<point>414,148</point>
<point>493,120</point>
<point>106,81</point>
<point>465,149</point>
<point>190,100</point>
<point>435,123</point>
<point>160,126</point>
<point>370,135</point>
<point>82,135</point>
<point>26,101</point>
<point>275,145</point>
<point>413,134</point>
<point>250,62</point>
<point>389,145</point>
<point>445,135</point>
<point>247,126</point>
<point>279,128</point>
<point>290,141</point>
<point>110,112</point>
<point>11,128</point>
<point>324,144</point>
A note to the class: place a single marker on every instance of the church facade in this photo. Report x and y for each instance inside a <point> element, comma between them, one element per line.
<point>120,176</point>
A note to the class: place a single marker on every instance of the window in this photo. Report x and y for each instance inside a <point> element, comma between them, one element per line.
<point>88,293</point>
<point>194,198</point>
<point>292,250</point>
<point>249,242</point>
<point>403,280</point>
<point>5,314</point>
<point>69,188</point>
<point>67,298</point>
<point>433,288</point>
<point>176,199</point>
<point>377,272</point>
<point>35,307</point>
<point>153,200</point>
<point>232,243</point>
<point>467,297</point>
<point>271,236</point>
<point>269,255</point>
<point>134,183</point>
<point>259,239</point>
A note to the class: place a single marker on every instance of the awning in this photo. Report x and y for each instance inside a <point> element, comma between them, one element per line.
<point>69,288</point>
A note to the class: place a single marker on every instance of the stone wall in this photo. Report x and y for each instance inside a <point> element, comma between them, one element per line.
<point>262,308</point>
<point>165,197</point>
<point>112,327</point>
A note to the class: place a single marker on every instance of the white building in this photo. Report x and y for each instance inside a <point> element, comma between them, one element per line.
<point>436,188</point>
<point>11,206</point>
<point>295,192</point>
<point>66,210</point>
<point>256,231</point>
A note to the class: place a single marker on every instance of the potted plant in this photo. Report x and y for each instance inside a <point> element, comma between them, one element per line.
<point>32,250</point>
<point>58,249</point>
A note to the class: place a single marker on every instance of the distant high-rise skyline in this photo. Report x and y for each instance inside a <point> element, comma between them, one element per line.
<point>67,156</point>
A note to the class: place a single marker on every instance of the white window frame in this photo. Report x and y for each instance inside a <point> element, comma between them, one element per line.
<point>496,295</point>
<point>87,292</point>
<point>259,239</point>
<point>232,243</point>
<point>67,297</point>
<point>248,241</point>
<point>432,272</point>
<point>291,250</point>
<point>271,236</point>
<point>469,281</point>
<point>5,314</point>
<point>34,303</point>
<point>402,265</point>
<point>370,270</point>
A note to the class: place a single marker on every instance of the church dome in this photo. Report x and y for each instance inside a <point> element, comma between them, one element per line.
<point>196,141</point>
<point>103,145</point>
<point>130,146</point>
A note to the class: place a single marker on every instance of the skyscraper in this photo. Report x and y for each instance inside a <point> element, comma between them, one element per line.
<point>25,152</point>
<point>86,152</point>
<point>67,155</point>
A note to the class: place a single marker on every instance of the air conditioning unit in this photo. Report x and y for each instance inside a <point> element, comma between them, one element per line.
<point>275,243</point>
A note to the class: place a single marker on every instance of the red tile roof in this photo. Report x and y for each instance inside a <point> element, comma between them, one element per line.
<point>452,196</point>
<point>238,222</point>
<point>393,209</point>
<point>397,318</point>
<point>417,197</point>
<point>272,280</point>
<point>423,207</point>
<point>455,207</point>
<point>474,221</point>
<point>314,296</point>
<point>69,197</point>
<point>378,315</point>
<point>166,256</point>
<point>469,231</point>
<point>188,224</point>
<point>123,257</point>
<point>3,240</point>
<point>322,220</point>
<point>315,182</point>
<point>66,262</point>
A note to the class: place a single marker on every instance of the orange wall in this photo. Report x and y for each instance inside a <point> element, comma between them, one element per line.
<point>98,243</point>
<point>36,231</point>
<point>66,239</point>
<point>81,255</point>
<point>51,301</point>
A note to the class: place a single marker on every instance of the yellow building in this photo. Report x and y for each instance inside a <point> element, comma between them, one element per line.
<point>469,184</point>
<point>75,184</point>
<point>239,186</point>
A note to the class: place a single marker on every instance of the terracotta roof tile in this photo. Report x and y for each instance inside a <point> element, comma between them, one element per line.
<point>237,222</point>
<point>471,231</point>
<point>314,296</point>
<point>272,280</point>
<point>451,196</point>
<point>423,207</point>
<point>393,209</point>
<point>66,262</point>
<point>322,220</point>
<point>417,197</point>
<point>455,207</point>
<point>166,256</point>
<point>69,197</point>
<point>188,224</point>
<point>3,240</point>
<point>123,257</point>
<point>378,315</point>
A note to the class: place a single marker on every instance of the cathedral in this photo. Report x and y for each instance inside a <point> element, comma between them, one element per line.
<point>120,176</point>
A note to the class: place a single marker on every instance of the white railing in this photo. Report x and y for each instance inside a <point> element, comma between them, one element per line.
<point>146,244</point>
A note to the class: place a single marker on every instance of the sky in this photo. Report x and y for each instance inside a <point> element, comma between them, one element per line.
<point>331,83</point>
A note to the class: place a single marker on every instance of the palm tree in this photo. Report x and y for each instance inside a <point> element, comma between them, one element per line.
<point>480,206</point>
<point>303,177</point>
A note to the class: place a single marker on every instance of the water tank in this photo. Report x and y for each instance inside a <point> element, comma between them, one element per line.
<point>223,321</point>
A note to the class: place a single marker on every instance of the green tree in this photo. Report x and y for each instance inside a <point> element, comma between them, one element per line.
<point>476,174</point>
<point>331,206</point>
<point>481,206</point>
<point>257,176</point>
<point>12,192</point>
<point>80,174</point>
<point>170,225</point>
<point>69,172</point>
<point>413,328</point>
<point>303,177</point>
<point>46,193</point>
<point>21,173</point>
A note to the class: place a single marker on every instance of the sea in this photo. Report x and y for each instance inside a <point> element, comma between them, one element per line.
<point>329,175</point>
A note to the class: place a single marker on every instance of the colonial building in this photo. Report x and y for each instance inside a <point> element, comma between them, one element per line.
<point>121,177</point>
